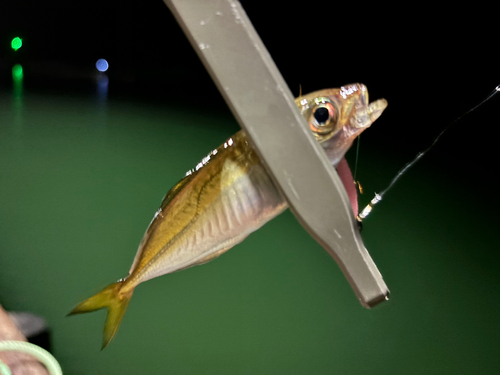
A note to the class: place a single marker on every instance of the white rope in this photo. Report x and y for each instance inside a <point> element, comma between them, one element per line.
<point>41,354</point>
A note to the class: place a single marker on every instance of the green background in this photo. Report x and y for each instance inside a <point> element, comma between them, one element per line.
<point>81,179</point>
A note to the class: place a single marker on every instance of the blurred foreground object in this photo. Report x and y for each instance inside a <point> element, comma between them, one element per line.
<point>33,327</point>
<point>19,363</point>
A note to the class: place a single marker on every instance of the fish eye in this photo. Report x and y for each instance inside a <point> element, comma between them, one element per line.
<point>321,115</point>
<point>324,116</point>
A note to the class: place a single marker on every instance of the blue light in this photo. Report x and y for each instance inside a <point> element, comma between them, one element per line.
<point>102,65</point>
<point>102,86</point>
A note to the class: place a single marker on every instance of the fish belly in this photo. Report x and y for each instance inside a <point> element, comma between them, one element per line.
<point>241,208</point>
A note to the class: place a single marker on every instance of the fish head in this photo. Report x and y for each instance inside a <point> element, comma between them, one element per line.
<point>337,116</point>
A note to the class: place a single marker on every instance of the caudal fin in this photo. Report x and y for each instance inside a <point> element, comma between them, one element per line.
<point>116,303</point>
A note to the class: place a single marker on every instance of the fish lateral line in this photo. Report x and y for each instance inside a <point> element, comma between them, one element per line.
<point>378,196</point>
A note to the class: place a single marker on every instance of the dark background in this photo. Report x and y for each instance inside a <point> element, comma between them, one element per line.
<point>432,63</point>
<point>81,176</point>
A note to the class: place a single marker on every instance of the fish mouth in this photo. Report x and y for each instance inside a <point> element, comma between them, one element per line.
<point>376,108</point>
<point>366,115</point>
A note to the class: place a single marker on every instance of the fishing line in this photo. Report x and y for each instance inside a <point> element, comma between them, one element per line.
<point>356,160</point>
<point>378,196</point>
<point>356,182</point>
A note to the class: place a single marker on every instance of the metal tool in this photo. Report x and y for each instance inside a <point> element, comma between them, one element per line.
<point>234,55</point>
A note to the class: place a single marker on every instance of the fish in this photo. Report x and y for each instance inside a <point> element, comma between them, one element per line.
<point>229,195</point>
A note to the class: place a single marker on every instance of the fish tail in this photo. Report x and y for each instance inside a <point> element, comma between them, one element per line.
<point>111,299</point>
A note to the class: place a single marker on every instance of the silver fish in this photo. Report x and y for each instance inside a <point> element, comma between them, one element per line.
<point>228,196</point>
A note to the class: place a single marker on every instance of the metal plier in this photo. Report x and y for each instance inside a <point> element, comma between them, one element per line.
<point>248,79</point>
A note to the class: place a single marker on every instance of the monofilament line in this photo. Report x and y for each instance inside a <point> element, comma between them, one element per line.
<point>357,158</point>
<point>378,197</point>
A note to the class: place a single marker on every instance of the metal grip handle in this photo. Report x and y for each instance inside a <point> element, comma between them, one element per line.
<point>248,79</point>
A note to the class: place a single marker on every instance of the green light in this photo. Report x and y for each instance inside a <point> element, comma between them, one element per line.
<point>17,72</point>
<point>16,43</point>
